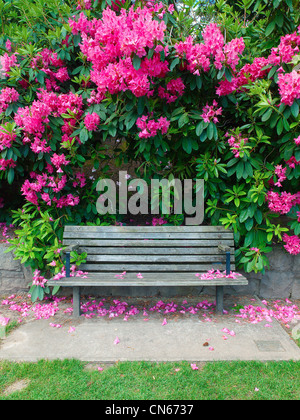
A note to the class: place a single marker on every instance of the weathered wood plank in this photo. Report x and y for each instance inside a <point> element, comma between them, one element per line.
<point>157,258</point>
<point>140,268</point>
<point>147,244</point>
<point>147,229</point>
<point>154,279</point>
<point>153,251</point>
<point>150,235</point>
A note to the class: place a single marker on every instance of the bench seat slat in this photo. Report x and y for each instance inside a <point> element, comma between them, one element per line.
<point>140,268</point>
<point>153,229</point>
<point>148,243</point>
<point>149,279</point>
<point>150,235</point>
<point>157,258</point>
<point>152,251</point>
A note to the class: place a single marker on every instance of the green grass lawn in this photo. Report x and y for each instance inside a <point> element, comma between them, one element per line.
<point>71,380</point>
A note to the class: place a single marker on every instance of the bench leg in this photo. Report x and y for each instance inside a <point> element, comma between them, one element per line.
<point>76,301</point>
<point>220,296</point>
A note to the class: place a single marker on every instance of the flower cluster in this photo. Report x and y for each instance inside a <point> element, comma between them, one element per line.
<point>38,280</point>
<point>292,244</point>
<point>248,73</point>
<point>281,174</point>
<point>288,47</point>
<point>91,121</point>
<point>7,62</point>
<point>175,89</point>
<point>198,55</point>
<point>54,68</point>
<point>150,127</point>
<point>7,163</point>
<point>289,87</point>
<point>110,43</point>
<point>6,138</point>
<point>211,112</point>
<point>216,274</point>
<point>42,185</point>
<point>281,202</point>
<point>237,143</point>
<point>7,97</point>
<point>282,313</point>
<point>158,221</point>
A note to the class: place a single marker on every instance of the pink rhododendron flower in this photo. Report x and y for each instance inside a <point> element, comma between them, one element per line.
<point>4,321</point>
<point>215,274</point>
<point>7,96</point>
<point>91,121</point>
<point>281,202</point>
<point>289,87</point>
<point>236,143</point>
<point>7,62</point>
<point>210,113</point>
<point>280,172</point>
<point>254,249</point>
<point>292,244</point>
<point>150,127</point>
<point>175,89</point>
<point>6,137</point>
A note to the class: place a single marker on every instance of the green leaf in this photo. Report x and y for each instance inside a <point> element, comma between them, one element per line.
<point>249,224</point>
<point>199,129</point>
<point>184,119</point>
<point>279,127</point>
<point>249,239</point>
<point>136,62</point>
<point>11,176</point>
<point>270,28</point>
<point>267,115</point>
<point>295,109</point>
<point>83,135</point>
<point>210,130</point>
<point>187,145</point>
<point>174,63</point>
<point>243,216</point>
<point>228,74</point>
<point>240,170</point>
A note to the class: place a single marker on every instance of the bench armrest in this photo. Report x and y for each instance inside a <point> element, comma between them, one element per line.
<point>70,248</point>
<point>224,248</point>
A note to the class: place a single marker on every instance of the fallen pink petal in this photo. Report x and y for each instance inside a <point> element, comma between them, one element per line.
<point>117,341</point>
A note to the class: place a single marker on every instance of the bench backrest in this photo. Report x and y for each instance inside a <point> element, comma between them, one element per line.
<point>151,248</point>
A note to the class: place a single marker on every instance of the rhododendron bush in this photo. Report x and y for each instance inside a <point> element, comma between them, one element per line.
<point>178,96</point>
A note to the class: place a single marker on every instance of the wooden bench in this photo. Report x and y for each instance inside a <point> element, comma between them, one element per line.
<point>164,255</point>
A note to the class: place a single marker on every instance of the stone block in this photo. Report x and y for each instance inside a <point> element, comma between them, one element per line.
<point>276,284</point>
<point>296,288</point>
<point>296,265</point>
<point>7,261</point>
<point>280,260</point>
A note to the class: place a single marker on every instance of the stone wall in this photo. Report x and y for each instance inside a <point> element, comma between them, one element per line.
<point>14,277</point>
<point>282,280</point>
